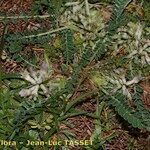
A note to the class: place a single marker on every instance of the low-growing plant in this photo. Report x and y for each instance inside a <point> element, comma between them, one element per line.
<point>112,56</point>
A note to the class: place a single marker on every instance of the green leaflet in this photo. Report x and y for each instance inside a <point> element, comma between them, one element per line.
<point>68,46</point>
<point>100,48</point>
<point>141,112</point>
<point>129,114</point>
<point>84,61</point>
<point>116,18</point>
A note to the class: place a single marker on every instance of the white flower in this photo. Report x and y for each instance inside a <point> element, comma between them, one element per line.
<point>138,34</point>
<point>25,92</point>
<point>26,75</point>
<point>33,91</point>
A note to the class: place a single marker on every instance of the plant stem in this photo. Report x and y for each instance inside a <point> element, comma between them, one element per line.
<point>45,33</point>
<point>23,17</point>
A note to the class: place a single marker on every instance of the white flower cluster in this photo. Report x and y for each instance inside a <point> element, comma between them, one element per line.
<point>36,78</point>
<point>119,81</point>
<point>84,17</point>
<point>136,46</point>
<point>142,50</point>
